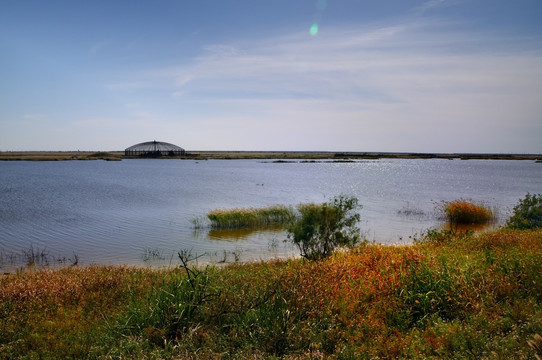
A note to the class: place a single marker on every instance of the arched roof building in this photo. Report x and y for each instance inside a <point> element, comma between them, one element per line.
<point>154,149</point>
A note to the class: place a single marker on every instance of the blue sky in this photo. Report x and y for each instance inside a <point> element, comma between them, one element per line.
<point>335,75</point>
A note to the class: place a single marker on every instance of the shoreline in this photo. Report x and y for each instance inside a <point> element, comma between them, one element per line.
<point>254,155</point>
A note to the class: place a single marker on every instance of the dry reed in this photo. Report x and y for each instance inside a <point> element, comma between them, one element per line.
<point>467,212</point>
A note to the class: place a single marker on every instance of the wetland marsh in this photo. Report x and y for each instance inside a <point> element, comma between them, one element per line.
<point>119,212</point>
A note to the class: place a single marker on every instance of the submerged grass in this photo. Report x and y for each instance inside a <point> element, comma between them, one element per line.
<point>34,257</point>
<point>449,295</point>
<point>251,217</point>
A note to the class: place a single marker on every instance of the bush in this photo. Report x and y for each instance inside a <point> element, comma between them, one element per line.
<point>324,227</point>
<point>527,213</point>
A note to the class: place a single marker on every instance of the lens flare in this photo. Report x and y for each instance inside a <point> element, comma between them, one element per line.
<point>314,29</point>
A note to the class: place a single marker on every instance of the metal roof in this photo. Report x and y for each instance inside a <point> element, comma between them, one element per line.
<point>154,146</point>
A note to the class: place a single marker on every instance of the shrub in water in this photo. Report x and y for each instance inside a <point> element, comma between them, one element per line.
<point>322,228</point>
<point>527,213</point>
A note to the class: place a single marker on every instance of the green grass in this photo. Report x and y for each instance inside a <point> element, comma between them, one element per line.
<point>449,295</point>
<point>251,217</point>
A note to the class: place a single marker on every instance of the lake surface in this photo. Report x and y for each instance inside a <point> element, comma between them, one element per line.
<point>141,211</point>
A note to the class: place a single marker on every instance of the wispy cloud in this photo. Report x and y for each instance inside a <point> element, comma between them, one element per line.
<point>34,116</point>
<point>433,4</point>
<point>96,47</point>
<point>429,5</point>
<point>388,63</point>
<point>142,114</point>
<point>403,82</point>
<point>126,86</point>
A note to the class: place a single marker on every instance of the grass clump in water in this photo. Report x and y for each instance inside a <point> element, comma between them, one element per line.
<point>467,212</point>
<point>251,217</point>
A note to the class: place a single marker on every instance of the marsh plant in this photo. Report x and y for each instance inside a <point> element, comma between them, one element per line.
<point>408,210</point>
<point>466,212</point>
<point>200,222</point>
<point>152,254</point>
<point>225,256</point>
<point>322,228</point>
<point>34,257</point>
<point>250,217</point>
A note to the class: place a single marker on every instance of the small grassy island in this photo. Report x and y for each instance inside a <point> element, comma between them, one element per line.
<point>448,295</point>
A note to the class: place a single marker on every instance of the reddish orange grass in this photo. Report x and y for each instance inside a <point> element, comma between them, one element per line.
<point>467,212</point>
<point>351,299</point>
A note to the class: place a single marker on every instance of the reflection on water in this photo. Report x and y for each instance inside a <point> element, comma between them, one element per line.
<point>244,233</point>
<point>474,227</point>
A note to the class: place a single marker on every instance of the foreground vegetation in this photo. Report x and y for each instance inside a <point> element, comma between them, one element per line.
<point>449,295</point>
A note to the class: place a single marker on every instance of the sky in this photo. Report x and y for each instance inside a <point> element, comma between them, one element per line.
<point>445,76</point>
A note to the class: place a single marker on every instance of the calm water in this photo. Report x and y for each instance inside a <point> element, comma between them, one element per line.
<point>136,210</point>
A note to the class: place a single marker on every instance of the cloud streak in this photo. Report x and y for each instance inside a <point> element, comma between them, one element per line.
<point>34,116</point>
<point>97,47</point>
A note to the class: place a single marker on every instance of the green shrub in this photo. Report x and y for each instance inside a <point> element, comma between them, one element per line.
<point>324,227</point>
<point>527,213</point>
